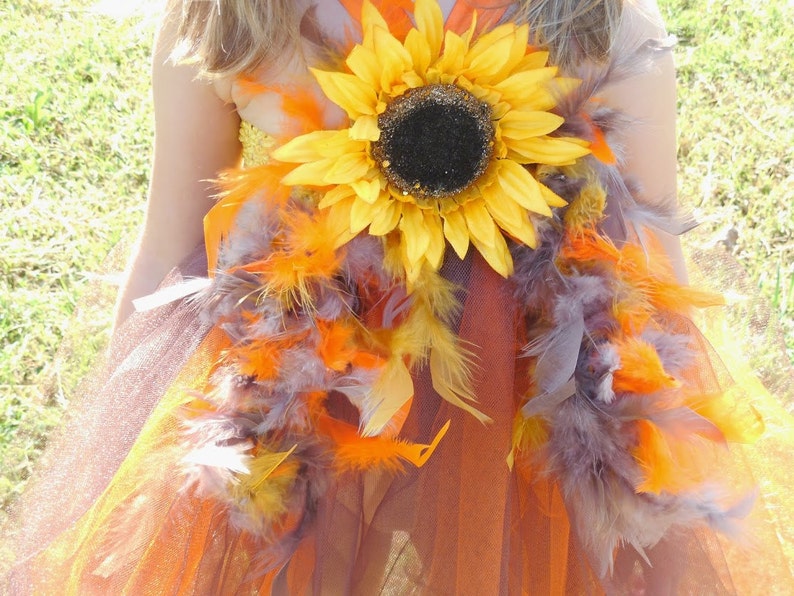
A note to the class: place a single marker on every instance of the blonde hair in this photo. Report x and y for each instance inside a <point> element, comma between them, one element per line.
<point>230,37</point>
<point>573,30</point>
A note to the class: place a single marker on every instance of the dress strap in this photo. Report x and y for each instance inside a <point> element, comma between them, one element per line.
<point>396,13</point>
<point>489,13</point>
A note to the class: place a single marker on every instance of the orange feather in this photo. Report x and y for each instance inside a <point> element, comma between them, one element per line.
<point>641,369</point>
<point>236,187</point>
<point>670,465</point>
<point>300,253</point>
<point>354,452</point>
<point>340,346</point>
<point>249,86</point>
<point>304,110</point>
<point>336,344</point>
<point>259,359</point>
<point>737,421</point>
<point>645,283</point>
<point>599,146</point>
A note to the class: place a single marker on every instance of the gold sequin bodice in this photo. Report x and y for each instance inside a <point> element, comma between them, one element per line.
<point>256,144</point>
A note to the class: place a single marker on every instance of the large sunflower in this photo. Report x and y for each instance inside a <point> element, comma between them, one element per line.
<point>443,134</point>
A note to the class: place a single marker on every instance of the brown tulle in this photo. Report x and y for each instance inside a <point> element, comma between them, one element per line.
<point>106,418</point>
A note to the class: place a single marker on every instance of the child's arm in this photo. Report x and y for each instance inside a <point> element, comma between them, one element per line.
<point>196,136</point>
<point>650,145</point>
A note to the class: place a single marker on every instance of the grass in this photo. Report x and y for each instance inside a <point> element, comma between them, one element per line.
<point>75,135</point>
<point>736,123</point>
<point>736,166</point>
<point>75,139</point>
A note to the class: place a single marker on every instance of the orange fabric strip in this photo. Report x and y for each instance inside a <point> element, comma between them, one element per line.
<point>394,11</point>
<point>488,14</point>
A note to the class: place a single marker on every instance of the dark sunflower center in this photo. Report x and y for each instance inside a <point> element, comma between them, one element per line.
<point>435,141</point>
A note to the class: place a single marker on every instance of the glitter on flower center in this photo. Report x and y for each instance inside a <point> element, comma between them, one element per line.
<point>435,141</point>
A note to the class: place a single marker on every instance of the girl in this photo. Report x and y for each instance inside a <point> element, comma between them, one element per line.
<point>435,337</point>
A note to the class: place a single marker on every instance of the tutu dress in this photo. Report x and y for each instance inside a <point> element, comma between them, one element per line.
<point>433,348</point>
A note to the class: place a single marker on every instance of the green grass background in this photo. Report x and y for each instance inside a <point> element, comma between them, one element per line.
<point>75,143</point>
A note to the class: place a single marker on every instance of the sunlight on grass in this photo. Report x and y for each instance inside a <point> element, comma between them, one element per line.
<point>74,160</point>
<point>736,127</point>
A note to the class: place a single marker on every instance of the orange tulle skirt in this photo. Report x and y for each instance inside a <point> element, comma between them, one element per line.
<point>110,514</point>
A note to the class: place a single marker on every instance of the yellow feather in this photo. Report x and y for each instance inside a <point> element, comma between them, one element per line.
<point>450,381</point>
<point>529,434</point>
<point>392,390</point>
<point>424,335</point>
<point>263,492</point>
<point>435,303</point>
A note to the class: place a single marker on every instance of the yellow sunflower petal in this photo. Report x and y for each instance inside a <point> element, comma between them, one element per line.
<point>350,93</point>
<point>430,23</point>
<point>497,256</point>
<point>484,94</point>
<point>546,150</point>
<point>480,223</point>
<point>317,145</point>
<point>541,98</point>
<point>394,58</point>
<point>309,174</point>
<point>361,214</point>
<point>412,269</point>
<point>515,87</point>
<point>412,80</point>
<point>386,219</point>
<point>469,34</point>
<point>519,186</point>
<point>435,250</point>
<point>456,232</point>
<point>517,52</point>
<point>421,53</point>
<point>363,63</point>
<point>367,190</point>
<point>371,19</point>
<point>451,62</point>
<point>338,219</point>
<point>499,109</point>
<point>545,96</point>
<point>516,124</point>
<point>365,128</point>
<point>507,214</point>
<point>513,58</point>
<point>526,233</point>
<point>511,218</point>
<point>414,234</point>
<point>347,169</point>
<point>490,52</point>
<point>551,198</point>
<point>533,60</point>
<point>336,194</point>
